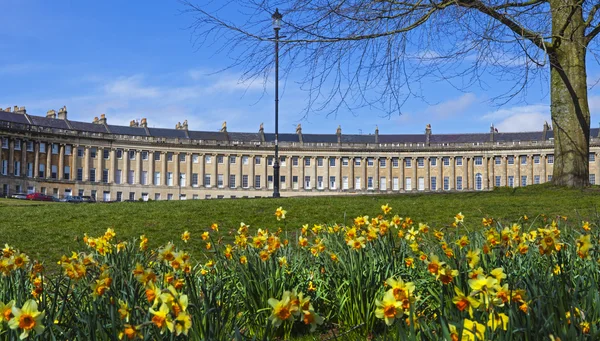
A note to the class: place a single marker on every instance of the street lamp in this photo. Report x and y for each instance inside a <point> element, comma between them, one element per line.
<point>276,26</point>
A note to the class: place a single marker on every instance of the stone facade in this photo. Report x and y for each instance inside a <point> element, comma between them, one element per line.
<point>60,157</point>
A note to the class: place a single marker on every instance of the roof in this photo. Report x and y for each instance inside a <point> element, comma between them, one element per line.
<point>12,117</point>
<point>84,126</point>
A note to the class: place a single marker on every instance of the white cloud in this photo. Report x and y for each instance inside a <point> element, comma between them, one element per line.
<point>450,108</point>
<point>519,118</point>
<point>131,87</point>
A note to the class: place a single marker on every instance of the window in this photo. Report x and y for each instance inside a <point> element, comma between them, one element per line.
<point>523,180</point>
<point>220,180</point>
<point>41,171</point>
<point>79,174</point>
<point>295,161</point>
<point>195,158</point>
<point>17,170</point>
<point>144,155</point>
<point>592,179</point>
<point>93,151</point>
<point>331,162</point>
<point>207,180</point>
<point>231,181</point>
<point>182,157</point>
<point>536,159</point>
<point>182,180</point>
<point>169,157</point>
<point>344,182</point>
<point>144,177</point>
<point>80,151</point>
<point>319,182</point>
<point>119,155</point>
<point>42,147</point>
<point>408,163</point>
<point>169,178</point>
<point>131,195</point>
<point>157,178</point>
<point>270,181</point>
<point>106,153</point>
<point>592,157</point>
<point>156,196</point>
<point>357,161</point>
<point>433,161</point>
<point>257,160</point>
<point>383,183</point>
<point>446,183</point>
<point>118,176</point>
<point>157,156</point>
<point>382,162</point>
<point>30,170</point>
<point>54,147</point>
<point>549,178</point>
<point>498,179</point>
<point>421,162</point>
<point>54,172</point>
<point>119,196</point>
<point>478,182</point>
<point>195,179</point>
<point>395,184</point>
<point>307,182</point>
<point>369,182</point>
<point>319,162</point>
<point>370,162</point>
<point>282,181</point>
<point>511,181</point>
<point>30,147</point>
<point>421,184</point>
<point>536,179</point>
<point>257,181</point>
<point>459,183</point>
<point>79,192</point>
<point>459,161</point>
<point>550,158</point>
<point>220,159</point>
<point>478,161</point>
<point>395,162</point>
<point>5,143</point>
<point>93,194</point>
<point>245,181</point>
<point>93,175</point>
<point>408,184</point>
<point>446,161</point>
<point>232,159</point>
<point>344,161</point>
<point>523,159</point>
<point>270,161</point>
<point>510,160</point>
<point>169,196</point>
<point>433,183</point>
<point>497,160</point>
<point>295,182</point>
<point>194,196</point>
<point>131,177</point>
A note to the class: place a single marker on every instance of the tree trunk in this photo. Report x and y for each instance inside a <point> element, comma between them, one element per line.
<point>569,98</point>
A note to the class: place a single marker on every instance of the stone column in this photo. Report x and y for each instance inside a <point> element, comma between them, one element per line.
<point>485,180</point>
<point>530,168</point>
<point>289,184</point>
<point>48,161</point>
<point>201,170</point>
<point>505,163</point>
<point>597,168</point>
<point>440,163</point>
<point>215,169</point>
<point>376,184</point>
<point>138,167</point>
<point>301,176</point>
<point>74,162</point>
<point>427,175</point>
<point>176,169</point>
<point>518,172</point>
<point>251,171</point>
<point>543,177</point>
<point>150,167</point>
<point>226,172</point>
<point>113,166</point>
<point>188,170</point>
<point>466,173</point>
<point>61,162</point>
<point>401,175</point>
<point>100,164</point>
<point>266,177</point>
<point>86,163</point>
<point>125,170</point>
<point>241,172</point>
<point>452,180</point>
<point>415,180</point>
<point>36,162</point>
<point>316,171</point>
<point>11,156</point>
<point>389,180</point>
<point>163,176</point>
<point>492,172</point>
<point>351,180</point>
<point>23,158</point>
<point>326,176</point>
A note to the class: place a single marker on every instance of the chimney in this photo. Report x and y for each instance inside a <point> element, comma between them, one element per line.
<point>427,134</point>
<point>134,123</point>
<point>224,127</point>
<point>299,132</point>
<point>184,126</point>
<point>51,113</point>
<point>62,113</point>
<point>144,123</point>
<point>102,119</point>
<point>178,126</point>
<point>261,132</point>
<point>15,108</point>
<point>545,131</point>
<point>492,132</point>
<point>21,110</point>
<point>338,132</point>
<point>96,121</point>
<point>376,134</point>
<point>7,109</point>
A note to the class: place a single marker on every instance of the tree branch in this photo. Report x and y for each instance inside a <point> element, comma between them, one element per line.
<point>590,36</point>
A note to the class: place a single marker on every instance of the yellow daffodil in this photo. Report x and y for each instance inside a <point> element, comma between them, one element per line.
<point>584,244</point>
<point>185,236</point>
<point>27,319</point>
<point>499,274</point>
<point>388,309</point>
<point>473,331</point>
<point>463,302</point>
<point>357,243</point>
<point>401,290</point>
<point>283,310</point>
<point>434,264</point>
<point>143,242</point>
<point>123,310</point>
<point>586,226</point>
<point>161,318</point>
<point>130,332</point>
<point>459,218</point>
<point>6,311</point>
<point>214,227</point>
<point>473,257</point>
<point>310,317</point>
<point>280,213</point>
<point>498,320</point>
<point>386,209</point>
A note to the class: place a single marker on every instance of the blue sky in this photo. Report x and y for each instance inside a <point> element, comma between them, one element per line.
<point>134,59</point>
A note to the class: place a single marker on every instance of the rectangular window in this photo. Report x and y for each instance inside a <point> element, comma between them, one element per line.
<point>282,181</point>
<point>93,194</point>
<point>157,179</point>
<point>357,183</point>
<point>344,161</point>
<point>41,171</point>
<point>395,183</point>
<point>459,183</point>
<point>369,182</point>
<point>18,147</point>
<point>295,161</point>
<point>207,180</point>
<point>119,196</point>
<point>54,147</point>
<point>536,159</point>
<point>550,158</point>
<point>478,161</point>
<point>370,162</point>
<point>523,180</point>
<point>592,157</point>
<point>182,157</point>
<point>30,170</point>
<point>523,159</point>
<point>294,182</point>
<point>30,147</point>
<point>383,183</point>
<point>131,195</point>
<point>144,177</point>
<point>319,182</point>
<point>245,181</point>
<point>93,152</point>
<point>408,163</point>
<point>144,155</point>
<point>169,157</point>
<point>42,147</point>
<point>433,183</point>
<point>433,161</point>
<point>169,178</point>
<point>497,160</point>
<point>270,161</point>
<point>319,162</point>
<point>331,162</point>
<point>220,159</point>
<point>446,183</point>
<point>195,158</point>
<point>549,178</point>
<point>382,162</point>
<point>18,170</point>
<point>498,179</point>
<point>194,179</point>
<point>169,196</point>
<point>182,179</point>
<point>257,160</point>
<point>408,184</point>
<point>421,162</point>
<point>232,159</point>
<point>536,179</point>
<point>80,151</point>
<point>459,161</point>
<point>220,180</point>
<point>157,156</point>
<point>446,161</point>
<point>357,161</point>
<point>307,182</point>
<point>510,160</point>
<point>106,153</point>
<point>231,180</point>
<point>80,192</point>
<point>344,182</point>
<point>156,196</point>
<point>395,162</point>
<point>270,181</point>
<point>257,181</point>
<point>79,174</point>
<point>105,175</point>
<point>421,184</point>
<point>511,181</point>
<point>5,143</point>
<point>131,177</point>
<point>119,155</point>
<point>93,175</point>
<point>118,176</point>
<point>592,179</point>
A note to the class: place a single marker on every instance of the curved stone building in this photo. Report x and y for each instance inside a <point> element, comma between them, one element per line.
<point>60,157</point>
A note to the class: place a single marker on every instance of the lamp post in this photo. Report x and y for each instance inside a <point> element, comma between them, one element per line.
<point>276,26</point>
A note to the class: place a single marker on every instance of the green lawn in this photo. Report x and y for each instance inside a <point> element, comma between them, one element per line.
<point>48,230</point>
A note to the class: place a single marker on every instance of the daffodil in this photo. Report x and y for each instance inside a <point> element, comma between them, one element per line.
<point>497,320</point>
<point>388,308</point>
<point>280,213</point>
<point>473,331</point>
<point>123,310</point>
<point>283,310</point>
<point>185,236</point>
<point>386,209</point>
<point>161,318</point>
<point>6,311</point>
<point>459,218</point>
<point>26,319</point>
<point>401,290</point>
<point>463,302</point>
<point>498,273</point>
<point>473,257</point>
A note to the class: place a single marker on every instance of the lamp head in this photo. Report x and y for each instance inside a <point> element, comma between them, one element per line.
<point>276,19</point>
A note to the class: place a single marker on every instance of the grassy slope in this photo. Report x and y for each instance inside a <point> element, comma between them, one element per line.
<point>48,230</point>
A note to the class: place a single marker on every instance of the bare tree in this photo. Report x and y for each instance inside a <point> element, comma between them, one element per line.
<point>373,53</point>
